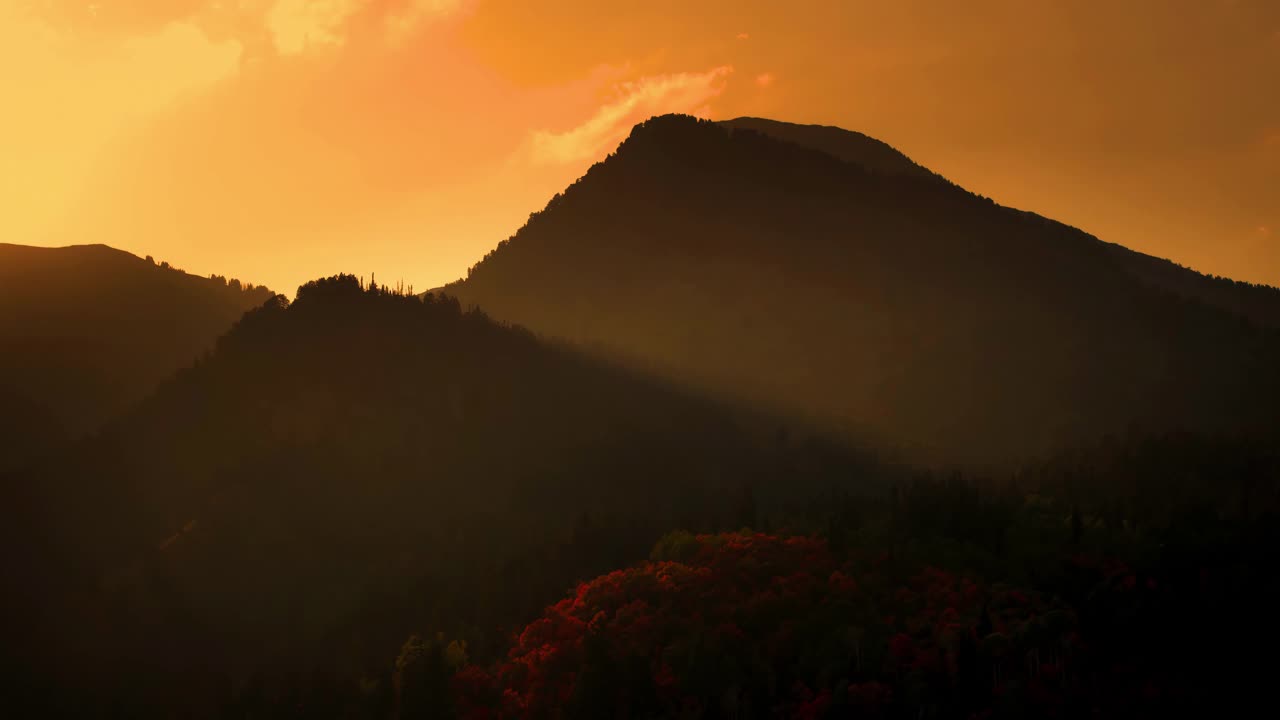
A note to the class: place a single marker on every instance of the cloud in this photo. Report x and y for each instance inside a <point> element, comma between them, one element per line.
<point>289,27</point>
<point>401,26</point>
<point>115,16</point>
<point>765,80</point>
<point>636,101</point>
<point>301,25</point>
<point>744,36</point>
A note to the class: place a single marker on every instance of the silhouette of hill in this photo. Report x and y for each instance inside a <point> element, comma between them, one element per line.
<point>821,274</point>
<point>352,464</point>
<point>849,146</point>
<point>1259,303</point>
<point>87,330</point>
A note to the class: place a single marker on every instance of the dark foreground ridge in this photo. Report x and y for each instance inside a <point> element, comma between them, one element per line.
<point>354,464</point>
<point>360,504</point>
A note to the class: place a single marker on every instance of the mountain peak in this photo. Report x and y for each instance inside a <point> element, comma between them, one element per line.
<point>684,134</point>
<point>847,145</point>
<point>672,132</point>
<point>670,122</point>
<point>821,274</point>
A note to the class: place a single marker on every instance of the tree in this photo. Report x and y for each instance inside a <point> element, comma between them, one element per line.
<point>745,512</point>
<point>421,679</point>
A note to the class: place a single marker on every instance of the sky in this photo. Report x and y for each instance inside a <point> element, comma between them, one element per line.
<point>281,140</point>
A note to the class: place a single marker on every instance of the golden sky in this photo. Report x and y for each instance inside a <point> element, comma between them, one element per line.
<point>281,140</point>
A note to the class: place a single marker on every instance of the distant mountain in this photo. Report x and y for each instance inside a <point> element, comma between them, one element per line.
<point>87,330</point>
<point>354,464</point>
<point>822,274</point>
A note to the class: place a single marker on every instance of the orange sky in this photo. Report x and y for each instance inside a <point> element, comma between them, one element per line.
<point>280,140</point>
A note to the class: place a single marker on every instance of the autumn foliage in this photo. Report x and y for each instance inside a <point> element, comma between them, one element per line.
<point>754,625</point>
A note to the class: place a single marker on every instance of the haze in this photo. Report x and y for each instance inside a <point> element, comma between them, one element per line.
<point>281,140</point>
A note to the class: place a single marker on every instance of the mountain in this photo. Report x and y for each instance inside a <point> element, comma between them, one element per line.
<point>1260,303</point>
<point>87,330</point>
<point>851,147</point>
<point>823,275</point>
<point>350,465</point>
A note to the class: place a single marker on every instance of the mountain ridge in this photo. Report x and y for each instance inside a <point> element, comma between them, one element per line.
<point>847,145</point>
<point>858,148</point>
<point>86,330</point>
<point>908,293</point>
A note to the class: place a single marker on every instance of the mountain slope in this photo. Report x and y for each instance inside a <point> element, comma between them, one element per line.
<point>355,464</point>
<point>893,305</point>
<point>1259,303</point>
<point>87,330</point>
<point>851,147</point>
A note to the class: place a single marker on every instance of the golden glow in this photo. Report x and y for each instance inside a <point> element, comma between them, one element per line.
<point>277,140</point>
<point>299,25</point>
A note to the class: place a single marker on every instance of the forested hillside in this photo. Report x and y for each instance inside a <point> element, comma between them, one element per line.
<point>355,463</point>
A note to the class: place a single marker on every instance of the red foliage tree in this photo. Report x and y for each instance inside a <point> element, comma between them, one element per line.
<point>780,624</point>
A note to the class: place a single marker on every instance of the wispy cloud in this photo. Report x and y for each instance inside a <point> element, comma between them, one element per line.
<point>636,101</point>
<point>290,27</point>
<point>401,25</point>
<point>301,25</point>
